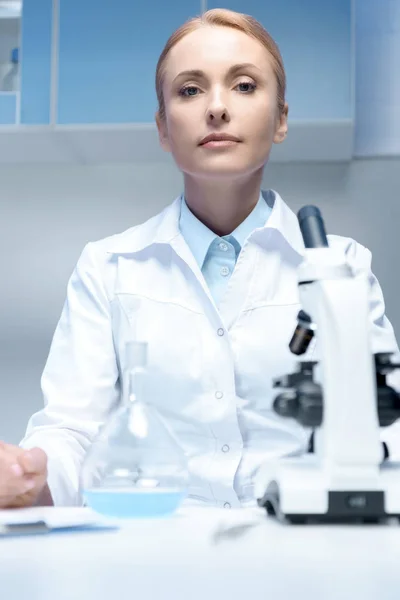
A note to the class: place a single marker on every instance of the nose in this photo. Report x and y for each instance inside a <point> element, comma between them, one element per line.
<point>217,109</point>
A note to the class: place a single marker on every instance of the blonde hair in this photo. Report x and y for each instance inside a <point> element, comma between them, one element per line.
<point>224,18</point>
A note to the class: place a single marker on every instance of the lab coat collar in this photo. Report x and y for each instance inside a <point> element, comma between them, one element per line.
<point>284,221</point>
<point>164,228</point>
<point>160,229</point>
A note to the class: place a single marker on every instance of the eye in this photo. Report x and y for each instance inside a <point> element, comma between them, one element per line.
<point>188,90</point>
<point>247,85</point>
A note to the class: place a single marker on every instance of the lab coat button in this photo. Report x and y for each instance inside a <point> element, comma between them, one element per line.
<point>220,331</point>
<point>225,448</point>
<point>227,505</point>
<point>219,395</point>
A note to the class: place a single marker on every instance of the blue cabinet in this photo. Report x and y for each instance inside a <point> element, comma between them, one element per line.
<point>106,53</point>
<point>107,57</point>
<point>93,62</point>
<point>36,61</point>
<point>315,39</point>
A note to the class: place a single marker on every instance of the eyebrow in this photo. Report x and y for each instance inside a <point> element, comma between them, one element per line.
<point>231,71</point>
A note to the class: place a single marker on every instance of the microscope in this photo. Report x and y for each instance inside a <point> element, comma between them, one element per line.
<point>345,478</point>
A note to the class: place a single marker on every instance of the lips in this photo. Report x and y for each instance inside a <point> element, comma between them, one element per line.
<point>218,137</point>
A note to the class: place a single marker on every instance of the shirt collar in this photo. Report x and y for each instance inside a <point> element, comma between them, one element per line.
<point>163,228</point>
<point>199,237</point>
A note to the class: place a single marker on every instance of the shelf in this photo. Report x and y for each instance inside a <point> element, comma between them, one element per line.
<point>97,144</point>
<point>8,15</point>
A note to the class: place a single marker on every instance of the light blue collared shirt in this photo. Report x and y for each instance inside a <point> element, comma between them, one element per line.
<point>217,256</point>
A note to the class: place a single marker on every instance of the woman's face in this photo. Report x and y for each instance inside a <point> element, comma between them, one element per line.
<point>205,92</point>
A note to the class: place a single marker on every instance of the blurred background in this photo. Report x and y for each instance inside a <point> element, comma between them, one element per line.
<point>79,156</point>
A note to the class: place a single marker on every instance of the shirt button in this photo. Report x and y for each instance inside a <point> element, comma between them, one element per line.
<point>225,448</point>
<point>219,395</point>
<point>220,331</point>
<point>227,505</point>
<point>223,247</point>
<point>224,271</point>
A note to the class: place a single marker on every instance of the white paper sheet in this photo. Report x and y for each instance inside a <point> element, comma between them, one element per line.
<point>51,518</point>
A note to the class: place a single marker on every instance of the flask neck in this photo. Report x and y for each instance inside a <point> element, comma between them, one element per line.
<point>136,384</point>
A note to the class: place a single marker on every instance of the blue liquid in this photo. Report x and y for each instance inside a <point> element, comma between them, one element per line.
<point>134,503</point>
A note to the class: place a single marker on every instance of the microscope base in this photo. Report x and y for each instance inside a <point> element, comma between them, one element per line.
<point>296,490</point>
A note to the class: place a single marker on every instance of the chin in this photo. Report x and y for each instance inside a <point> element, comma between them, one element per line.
<point>221,169</point>
<point>233,173</point>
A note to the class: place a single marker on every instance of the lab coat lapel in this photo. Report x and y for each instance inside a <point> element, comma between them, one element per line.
<point>164,229</point>
<point>182,250</point>
<point>265,270</point>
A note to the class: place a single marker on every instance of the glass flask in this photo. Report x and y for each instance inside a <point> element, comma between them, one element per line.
<point>135,467</point>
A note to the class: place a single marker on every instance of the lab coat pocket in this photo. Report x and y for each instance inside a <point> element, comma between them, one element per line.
<point>177,352</point>
<point>176,349</point>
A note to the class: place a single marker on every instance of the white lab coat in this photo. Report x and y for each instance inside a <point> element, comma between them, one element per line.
<point>210,369</point>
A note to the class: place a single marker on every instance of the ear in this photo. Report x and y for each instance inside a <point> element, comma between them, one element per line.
<point>282,126</point>
<point>162,132</point>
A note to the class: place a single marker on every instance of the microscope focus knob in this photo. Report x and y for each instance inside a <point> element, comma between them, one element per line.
<point>388,398</point>
<point>287,404</point>
<point>304,404</point>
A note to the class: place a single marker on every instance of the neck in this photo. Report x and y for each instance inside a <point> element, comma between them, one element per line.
<point>222,205</point>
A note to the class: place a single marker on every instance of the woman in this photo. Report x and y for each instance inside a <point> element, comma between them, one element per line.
<point>210,284</point>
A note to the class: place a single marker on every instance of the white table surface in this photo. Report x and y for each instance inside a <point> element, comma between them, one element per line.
<point>205,553</point>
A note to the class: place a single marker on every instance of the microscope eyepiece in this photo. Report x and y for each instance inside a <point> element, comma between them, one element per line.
<point>312,227</point>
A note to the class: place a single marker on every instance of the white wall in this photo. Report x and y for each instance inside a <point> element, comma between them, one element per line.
<point>49,213</point>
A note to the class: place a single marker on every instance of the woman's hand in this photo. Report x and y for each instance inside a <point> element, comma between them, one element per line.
<point>23,476</point>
